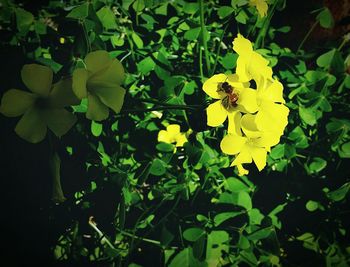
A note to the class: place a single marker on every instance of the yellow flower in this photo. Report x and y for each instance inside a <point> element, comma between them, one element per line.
<point>250,64</point>
<point>171,135</point>
<point>42,108</point>
<point>251,147</point>
<point>272,114</point>
<point>100,84</point>
<point>260,5</point>
<point>236,99</point>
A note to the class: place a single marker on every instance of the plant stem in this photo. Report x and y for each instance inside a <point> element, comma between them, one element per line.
<point>82,22</point>
<point>201,63</point>
<point>203,31</point>
<point>218,51</point>
<point>307,35</point>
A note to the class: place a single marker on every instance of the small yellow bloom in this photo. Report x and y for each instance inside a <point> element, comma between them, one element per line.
<point>272,114</point>
<point>100,84</point>
<point>171,135</point>
<point>41,108</point>
<point>232,102</point>
<point>260,5</point>
<point>253,146</point>
<point>250,64</point>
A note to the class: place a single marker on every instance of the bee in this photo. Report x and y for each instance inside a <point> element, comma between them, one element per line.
<point>231,98</point>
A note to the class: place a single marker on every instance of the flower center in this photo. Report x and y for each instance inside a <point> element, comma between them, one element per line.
<point>41,102</point>
<point>231,98</point>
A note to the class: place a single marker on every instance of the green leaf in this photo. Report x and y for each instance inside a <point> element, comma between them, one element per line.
<point>80,12</point>
<point>260,234</point>
<point>325,18</point>
<point>138,5</point>
<point>235,185</point>
<point>107,17</point>
<point>189,87</point>
<point>298,137</point>
<point>244,200</point>
<point>278,151</point>
<point>193,234</point>
<point>225,11</point>
<point>331,60</point>
<point>192,34</point>
<point>96,128</point>
<point>224,216</point>
<point>308,115</point>
<point>24,20</point>
<point>158,167</point>
<point>317,165</point>
<point>217,244</point>
<point>312,205</point>
<point>255,216</point>
<point>229,61</point>
<point>146,65</point>
<point>117,40</point>
<point>243,242</point>
<point>190,8</point>
<point>344,150</point>
<point>186,259</point>
<point>165,147</point>
<point>137,40</point>
<point>242,17</point>
<point>340,193</point>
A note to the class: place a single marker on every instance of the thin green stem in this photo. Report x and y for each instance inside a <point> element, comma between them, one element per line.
<point>203,32</point>
<point>264,28</point>
<point>307,36</point>
<point>345,40</point>
<point>201,63</point>
<point>218,51</point>
<point>87,40</point>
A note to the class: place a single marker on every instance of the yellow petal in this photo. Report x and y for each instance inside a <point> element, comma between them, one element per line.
<point>80,77</point>
<point>112,97</point>
<point>272,117</point>
<point>37,78</point>
<point>249,126</point>
<point>216,114</point>
<point>97,60</point>
<point>261,6</point>
<point>234,122</point>
<point>173,130</point>
<point>258,66</point>
<point>15,102</point>
<point>232,144</point>
<point>180,139</point>
<point>248,100</point>
<point>242,46</point>
<point>31,127</point>
<point>241,170</point>
<point>243,157</point>
<point>210,86</point>
<point>62,95</point>
<point>96,111</point>
<point>259,156</point>
<point>271,91</point>
<point>242,68</point>
<point>59,121</point>
<point>267,140</point>
<point>163,136</point>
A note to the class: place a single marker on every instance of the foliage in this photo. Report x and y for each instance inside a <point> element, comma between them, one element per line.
<point>140,178</point>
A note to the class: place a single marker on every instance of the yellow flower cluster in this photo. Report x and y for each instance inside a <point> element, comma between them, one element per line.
<point>256,116</point>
